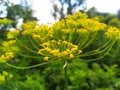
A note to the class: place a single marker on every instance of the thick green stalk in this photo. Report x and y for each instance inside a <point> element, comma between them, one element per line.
<point>66,77</point>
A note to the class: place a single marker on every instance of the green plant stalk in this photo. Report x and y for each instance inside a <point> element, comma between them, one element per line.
<point>89,42</point>
<point>84,41</point>
<point>28,56</point>
<point>25,46</point>
<point>30,39</point>
<point>66,77</point>
<point>29,67</point>
<point>70,38</point>
<point>102,55</point>
<point>97,51</point>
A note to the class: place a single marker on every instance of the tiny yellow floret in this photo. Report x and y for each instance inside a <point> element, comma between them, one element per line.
<point>65,53</point>
<point>46,58</point>
<point>71,56</point>
<point>9,54</point>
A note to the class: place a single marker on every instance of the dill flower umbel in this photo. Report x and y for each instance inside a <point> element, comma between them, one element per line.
<point>113,32</point>
<point>6,57</point>
<point>10,55</point>
<point>8,43</point>
<point>59,49</point>
<point>12,34</point>
<point>5,21</point>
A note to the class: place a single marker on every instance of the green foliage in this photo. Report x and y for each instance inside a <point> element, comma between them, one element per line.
<point>18,11</point>
<point>92,12</point>
<point>31,82</point>
<point>82,77</point>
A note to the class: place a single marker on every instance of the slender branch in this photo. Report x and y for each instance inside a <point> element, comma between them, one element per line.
<point>88,43</point>
<point>97,51</point>
<point>95,59</point>
<point>103,46</point>
<point>25,46</point>
<point>84,40</point>
<point>71,34</point>
<point>33,43</point>
<point>28,56</point>
<point>33,66</point>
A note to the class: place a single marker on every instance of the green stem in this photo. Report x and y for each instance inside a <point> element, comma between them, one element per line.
<point>89,42</point>
<point>65,73</point>
<point>97,51</point>
<point>83,42</point>
<point>33,43</point>
<point>33,66</point>
<point>25,46</point>
<point>102,55</point>
<point>28,56</point>
<point>70,38</point>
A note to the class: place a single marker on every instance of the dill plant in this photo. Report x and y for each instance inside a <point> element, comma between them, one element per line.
<point>63,42</point>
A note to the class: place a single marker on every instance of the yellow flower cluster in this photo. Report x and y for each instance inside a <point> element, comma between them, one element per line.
<point>113,32</point>
<point>10,46</point>
<point>60,49</point>
<point>4,76</point>
<point>40,32</point>
<point>10,55</point>
<point>28,27</point>
<point>8,43</point>
<point>12,34</point>
<point>79,22</point>
<point>93,25</point>
<point>5,21</point>
<point>6,57</point>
